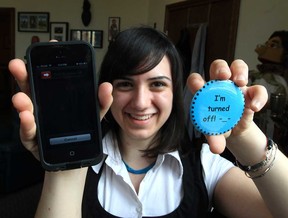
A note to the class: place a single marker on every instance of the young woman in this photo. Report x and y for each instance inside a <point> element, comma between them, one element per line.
<point>149,169</point>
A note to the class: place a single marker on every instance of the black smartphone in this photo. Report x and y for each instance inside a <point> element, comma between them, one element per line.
<point>64,87</point>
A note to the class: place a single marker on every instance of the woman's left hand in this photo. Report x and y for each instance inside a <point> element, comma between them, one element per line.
<point>255,99</point>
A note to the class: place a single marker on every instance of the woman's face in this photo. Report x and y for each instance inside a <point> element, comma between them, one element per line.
<point>142,103</point>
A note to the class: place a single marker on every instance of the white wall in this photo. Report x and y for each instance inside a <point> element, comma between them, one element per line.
<point>258,19</point>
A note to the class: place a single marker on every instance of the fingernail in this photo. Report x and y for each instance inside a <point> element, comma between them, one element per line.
<point>241,78</point>
<point>257,105</point>
<point>222,70</point>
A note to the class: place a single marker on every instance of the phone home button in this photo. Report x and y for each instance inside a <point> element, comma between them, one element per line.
<point>72,153</point>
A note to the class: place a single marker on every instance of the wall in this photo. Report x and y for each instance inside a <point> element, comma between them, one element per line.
<point>132,13</point>
<point>258,19</point>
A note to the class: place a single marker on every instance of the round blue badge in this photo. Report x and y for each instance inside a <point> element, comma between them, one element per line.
<point>217,107</point>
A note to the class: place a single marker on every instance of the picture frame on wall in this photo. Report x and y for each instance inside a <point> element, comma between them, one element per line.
<point>94,37</point>
<point>86,36</point>
<point>59,31</point>
<point>33,21</point>
<point>113,27</point>
<point>75,35</point>
<point>97,38</point>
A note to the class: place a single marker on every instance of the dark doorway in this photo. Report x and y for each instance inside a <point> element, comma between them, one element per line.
<point>7,52</point>
<point>18,168</point>
<point>221,17</point>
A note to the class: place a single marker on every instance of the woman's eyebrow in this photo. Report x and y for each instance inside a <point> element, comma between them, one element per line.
<point>152,78</point>
<point>124,78</point>
<point>160,78</point>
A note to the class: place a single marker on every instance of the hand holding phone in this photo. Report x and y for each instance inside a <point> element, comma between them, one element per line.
<point>64,93</point>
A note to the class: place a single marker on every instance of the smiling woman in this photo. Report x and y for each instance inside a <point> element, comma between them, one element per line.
<point>124,68</point>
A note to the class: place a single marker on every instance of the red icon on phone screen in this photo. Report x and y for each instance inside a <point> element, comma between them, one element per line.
<point>46,75</point>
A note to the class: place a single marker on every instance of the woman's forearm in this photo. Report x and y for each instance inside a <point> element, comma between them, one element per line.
<point>272,182</point>
<point>62,194</point>
<point>273,186</point>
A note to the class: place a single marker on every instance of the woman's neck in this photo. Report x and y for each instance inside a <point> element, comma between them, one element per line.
<point>132,155</point>
<point>132,152</point>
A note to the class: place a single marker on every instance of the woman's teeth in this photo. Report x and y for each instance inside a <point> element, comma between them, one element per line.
<point>141,117</point>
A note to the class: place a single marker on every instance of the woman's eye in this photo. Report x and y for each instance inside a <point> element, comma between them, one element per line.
<point>158,84</point>
<point>124,85</point>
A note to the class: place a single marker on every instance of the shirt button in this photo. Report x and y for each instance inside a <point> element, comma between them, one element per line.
<point>139,210</point>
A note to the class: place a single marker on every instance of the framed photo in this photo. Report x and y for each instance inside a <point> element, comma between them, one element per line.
<point>97,38</point>
<point>75,35</point>
<point>33,21</point>
<point>113,27</point>
<point>86,36</point>
<point>94,37</point>
<point>59,31</point>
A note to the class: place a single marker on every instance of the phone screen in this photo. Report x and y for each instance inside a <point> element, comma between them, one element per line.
<point>64,91</point>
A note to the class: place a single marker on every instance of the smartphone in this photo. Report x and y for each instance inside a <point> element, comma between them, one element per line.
<point>64,87</point>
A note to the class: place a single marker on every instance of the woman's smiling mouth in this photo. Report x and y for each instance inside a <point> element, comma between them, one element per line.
<point>140,117</point>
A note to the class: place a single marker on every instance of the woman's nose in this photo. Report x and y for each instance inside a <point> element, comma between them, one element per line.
<point>141,98</point>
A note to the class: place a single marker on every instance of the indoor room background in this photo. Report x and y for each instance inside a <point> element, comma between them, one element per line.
<point>257,20</point>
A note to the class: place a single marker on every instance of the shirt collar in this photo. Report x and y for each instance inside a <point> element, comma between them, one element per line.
<point>170,156</point>
<point>112,155</point>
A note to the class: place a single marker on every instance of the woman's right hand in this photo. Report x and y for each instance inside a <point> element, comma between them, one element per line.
<point>23,104</point>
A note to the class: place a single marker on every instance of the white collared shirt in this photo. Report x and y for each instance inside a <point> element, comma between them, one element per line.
<point>160,191</point>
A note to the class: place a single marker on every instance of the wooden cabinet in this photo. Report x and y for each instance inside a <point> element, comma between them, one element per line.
<point>221,17</point>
